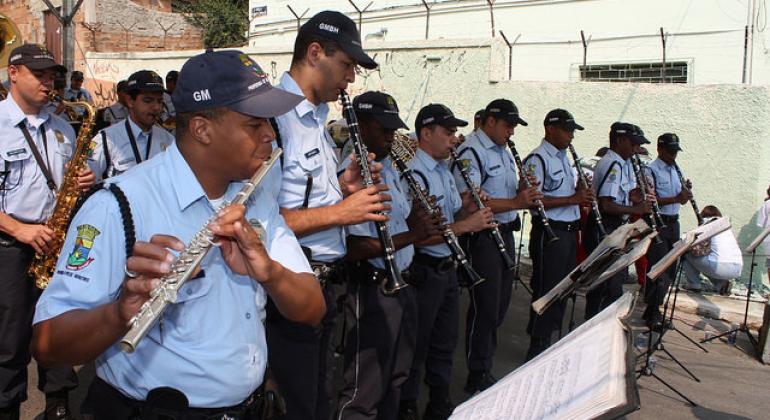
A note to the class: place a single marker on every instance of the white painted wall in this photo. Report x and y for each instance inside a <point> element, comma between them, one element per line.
<point>707,33</point>
<point>724,128</point>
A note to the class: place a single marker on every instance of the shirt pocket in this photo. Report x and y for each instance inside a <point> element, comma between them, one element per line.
<point>192,313</point>
<point>65,150</point>
<point>554,181</point>
<point>15,159</point>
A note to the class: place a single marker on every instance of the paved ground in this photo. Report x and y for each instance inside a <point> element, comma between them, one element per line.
<point>734,385</point>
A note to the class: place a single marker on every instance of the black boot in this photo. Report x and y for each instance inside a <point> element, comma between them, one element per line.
<point>478,380</point>
<point>537,345</point>
<point>407,410</point>
<point>57,406</point>
<point>440,405</point>
<point>11,412</point>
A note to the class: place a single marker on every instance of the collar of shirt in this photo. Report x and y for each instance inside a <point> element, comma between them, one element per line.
<point>318,113</point>
<point>178,168</point>
<point>611,154</point>
<point>136,130</point>
<point>484,139</point>
<point>426,159</point>
<point>552,150</point>
<point>16,115</point>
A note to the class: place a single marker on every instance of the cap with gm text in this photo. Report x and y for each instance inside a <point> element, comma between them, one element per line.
<point>505,110</point>
<point>339,28</point>
<point>231,79</point>
<point>382,107</point>
<point>144,80</point>
<point>437,114</point>
<point>34,57</point>
<point>562,118</point>
<point>670,141</point>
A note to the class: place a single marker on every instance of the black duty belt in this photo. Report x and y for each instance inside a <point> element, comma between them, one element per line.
<point>365,272</point>
<point>328,272</point>
<point>510,226</point>
<point>572,226</point>
<point>440,264</point>
<point>669,219</point>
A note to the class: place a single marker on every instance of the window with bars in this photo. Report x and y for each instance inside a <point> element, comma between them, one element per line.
<point>675,72</point>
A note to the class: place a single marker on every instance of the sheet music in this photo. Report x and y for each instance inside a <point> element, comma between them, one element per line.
<point>581,376</point>
<point>698,235</point>
<point>590,272</point>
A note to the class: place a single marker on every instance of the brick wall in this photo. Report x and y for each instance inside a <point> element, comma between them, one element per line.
<point>27,20</point>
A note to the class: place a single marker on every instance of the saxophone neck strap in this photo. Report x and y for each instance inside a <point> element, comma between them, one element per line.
<point>45,165</point>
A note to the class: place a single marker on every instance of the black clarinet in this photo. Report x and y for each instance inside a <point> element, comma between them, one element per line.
<point>641,179</point>
<point>540,207</point>
<point>494,231</point>
<point>393,283</point>
<point>449,236</point>
<point>692,200</point>
<point>594,204</point>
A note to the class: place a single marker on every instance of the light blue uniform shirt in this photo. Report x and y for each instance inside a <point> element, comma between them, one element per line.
<point>553,171</point>
<point>212,344</point>
<point>24,194</point>
<point>441,184</point>
<point>309,151</point>
<point>493,171</point>
<point>401,206</point>
<point>119,146</point>
<point>667,184</point>
<point>614,178</point>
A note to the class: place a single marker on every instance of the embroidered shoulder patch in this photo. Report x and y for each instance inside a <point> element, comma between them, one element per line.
<point>79,257</point>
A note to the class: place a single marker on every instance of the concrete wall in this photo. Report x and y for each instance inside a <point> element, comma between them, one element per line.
<point>708,34</point>
<point>724,128</point>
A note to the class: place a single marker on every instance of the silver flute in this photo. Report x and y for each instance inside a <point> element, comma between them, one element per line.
<point>184,266</point>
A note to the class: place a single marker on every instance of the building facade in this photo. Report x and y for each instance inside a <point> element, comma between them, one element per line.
<point>704,39</point>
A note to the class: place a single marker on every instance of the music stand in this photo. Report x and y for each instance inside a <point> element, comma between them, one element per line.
<point>752,248</point>
<point>517,257</point>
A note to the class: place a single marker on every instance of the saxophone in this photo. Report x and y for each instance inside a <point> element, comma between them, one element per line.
<point>42,268</point>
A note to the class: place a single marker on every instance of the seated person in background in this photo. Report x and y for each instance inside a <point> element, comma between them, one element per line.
<point>763,221</point>
<point>722,264</point>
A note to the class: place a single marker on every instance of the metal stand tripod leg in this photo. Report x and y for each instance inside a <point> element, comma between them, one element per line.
<point>670,324</point>
<point>745,326</point>
<point>647,370</point>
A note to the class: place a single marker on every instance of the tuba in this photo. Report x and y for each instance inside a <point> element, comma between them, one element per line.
<point>42,268</point>
<point>10,38</point>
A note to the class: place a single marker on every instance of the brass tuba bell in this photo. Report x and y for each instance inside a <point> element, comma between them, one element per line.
<point>10,38</point>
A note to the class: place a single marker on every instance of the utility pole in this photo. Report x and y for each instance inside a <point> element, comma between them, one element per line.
<point>68,29</point>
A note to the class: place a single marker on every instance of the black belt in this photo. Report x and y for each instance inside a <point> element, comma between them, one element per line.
<point>441,264</point>
<point>365,272</point>
<point>666,218</point>
<point>328,272</point>
<point>510,226</point>
<point>572,226</point>
<point>160,405</point>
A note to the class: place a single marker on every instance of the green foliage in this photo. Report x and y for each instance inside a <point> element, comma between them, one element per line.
<point>224,22</point>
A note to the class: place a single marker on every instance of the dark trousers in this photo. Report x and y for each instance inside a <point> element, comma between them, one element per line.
<point>379,348</point>
<point>17,307</point>
<point>655,291</point>
<point>604,294</point>
<point>551,262</point>
<point>489,300</point>
<point>438,312</point>
<point>298,356</point>
<point>104,402</point>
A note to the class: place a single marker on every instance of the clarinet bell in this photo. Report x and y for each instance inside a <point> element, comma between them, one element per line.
<point>392,282</point>
<point>508,261</point>
<point>474,278</point>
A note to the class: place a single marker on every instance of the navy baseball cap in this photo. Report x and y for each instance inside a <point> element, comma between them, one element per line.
<point>670,141</point>
<point>34,57</point>
<point>382,107</point>
<point>339,28</point>
<point>229,79</point>
<point>630,131</point>
<point>144,80</point>
<point>504,109</point>
<point>562,118</point>
<point>437,114</point>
